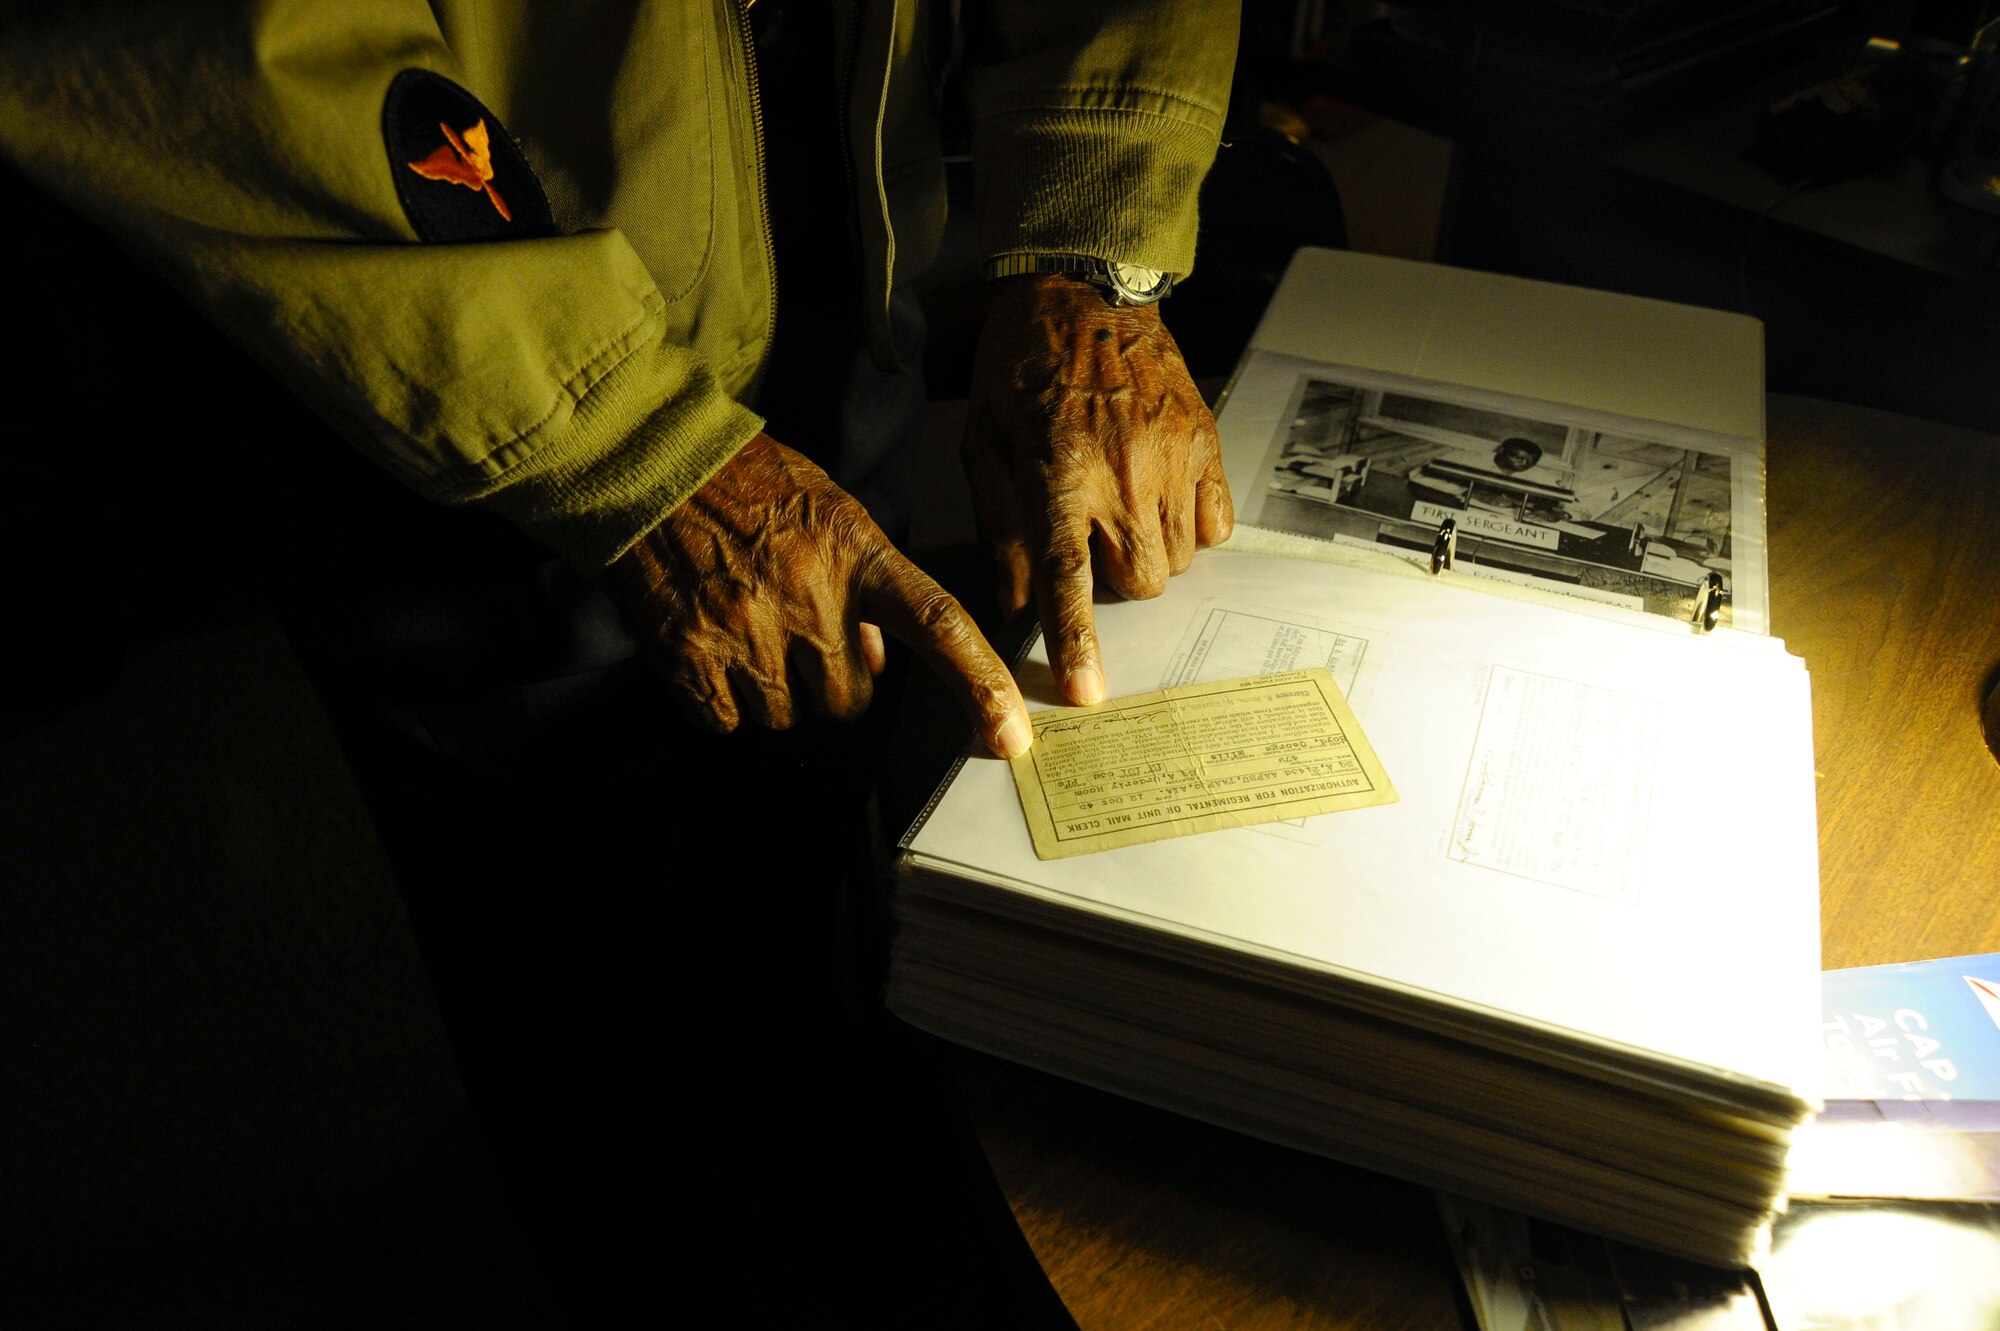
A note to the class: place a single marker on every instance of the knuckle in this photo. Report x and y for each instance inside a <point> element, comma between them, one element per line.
<point>1078,644</point>
<point>848,525</point>
<point>704,713</point>
<point>772,702</point>
<point>1064,563</point>
<point>1147,576</point>
<point>848,699</point>
<point>937,613</point>
<point>992,695</point>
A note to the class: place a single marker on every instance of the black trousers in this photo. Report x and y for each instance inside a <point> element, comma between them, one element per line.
<point>657,955</point>
<point>658,951</point>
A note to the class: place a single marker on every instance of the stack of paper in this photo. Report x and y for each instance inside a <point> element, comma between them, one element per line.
<point>1894,1217</point>
<point>1572,968</point>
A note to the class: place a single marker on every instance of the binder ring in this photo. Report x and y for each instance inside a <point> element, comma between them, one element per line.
<point>1445,548</point>
<point>1708,602</point>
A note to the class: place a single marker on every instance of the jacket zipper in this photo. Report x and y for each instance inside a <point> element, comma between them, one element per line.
<point>763,183</point>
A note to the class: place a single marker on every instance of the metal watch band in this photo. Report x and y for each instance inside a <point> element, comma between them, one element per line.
<point>1114,279</point>
<point>1022,265</point>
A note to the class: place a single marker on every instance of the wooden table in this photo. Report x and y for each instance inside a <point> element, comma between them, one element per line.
<point>1883,554</point>
<point>1882,548</point>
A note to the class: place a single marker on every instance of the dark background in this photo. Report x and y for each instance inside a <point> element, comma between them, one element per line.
<point>226,1097</point>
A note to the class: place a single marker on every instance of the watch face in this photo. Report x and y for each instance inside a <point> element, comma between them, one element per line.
<point>1139,286</point>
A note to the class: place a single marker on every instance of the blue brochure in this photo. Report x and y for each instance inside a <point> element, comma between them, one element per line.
<point>1920,1031</point>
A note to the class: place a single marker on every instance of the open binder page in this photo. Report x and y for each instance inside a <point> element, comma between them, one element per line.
<point>1606,825</point>
<point>1380,398</point>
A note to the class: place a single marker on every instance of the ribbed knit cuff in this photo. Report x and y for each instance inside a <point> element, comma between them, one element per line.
<point>1117,184</point>
<point>591,493</point>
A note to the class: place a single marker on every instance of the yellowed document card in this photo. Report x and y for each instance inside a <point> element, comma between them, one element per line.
<point>1195,759</point>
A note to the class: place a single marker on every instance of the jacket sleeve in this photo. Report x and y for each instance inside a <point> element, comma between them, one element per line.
<point>1094,122</point>
<point>242,152</point>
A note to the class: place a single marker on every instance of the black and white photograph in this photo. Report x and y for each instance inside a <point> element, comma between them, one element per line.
<point>1617,517</point>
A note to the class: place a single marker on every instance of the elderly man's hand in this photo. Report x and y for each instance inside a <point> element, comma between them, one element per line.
<point>1085,434</point>
<point>771,579</point>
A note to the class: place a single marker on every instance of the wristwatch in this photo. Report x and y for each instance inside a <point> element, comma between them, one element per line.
<point>1122,283</point>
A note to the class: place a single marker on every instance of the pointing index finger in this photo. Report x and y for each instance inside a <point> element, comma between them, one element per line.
<point>908,603</point>
<point>1063,594</point>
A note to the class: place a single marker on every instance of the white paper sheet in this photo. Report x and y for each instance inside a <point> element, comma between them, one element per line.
<point>1702,946</point>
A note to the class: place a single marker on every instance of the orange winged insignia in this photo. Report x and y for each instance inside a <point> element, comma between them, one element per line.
<point>464,160</point>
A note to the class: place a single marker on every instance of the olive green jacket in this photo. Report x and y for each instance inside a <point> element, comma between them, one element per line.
<point>584,381</point>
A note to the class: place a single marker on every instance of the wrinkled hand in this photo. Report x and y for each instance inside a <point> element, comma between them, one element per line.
<point>1085,434</point>
<point>771,579</point>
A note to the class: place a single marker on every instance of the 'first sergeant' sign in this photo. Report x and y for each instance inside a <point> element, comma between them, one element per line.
<point>1496,525</point>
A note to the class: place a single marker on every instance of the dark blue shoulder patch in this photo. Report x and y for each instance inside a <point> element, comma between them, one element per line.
<point>458,172</point>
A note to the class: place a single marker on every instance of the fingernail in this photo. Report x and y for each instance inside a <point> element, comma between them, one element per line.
<point>1086,686</point>
<point>1015,735</point>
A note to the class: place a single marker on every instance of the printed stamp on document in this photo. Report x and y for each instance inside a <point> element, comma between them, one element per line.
<point>1197,758</point>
